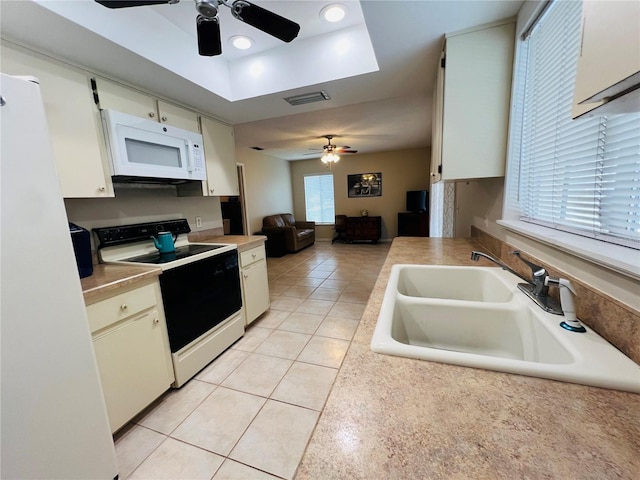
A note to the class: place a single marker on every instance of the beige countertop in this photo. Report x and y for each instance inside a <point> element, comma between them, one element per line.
<point>244,242</point>
<point>398,418</point>
<point>106,278</point>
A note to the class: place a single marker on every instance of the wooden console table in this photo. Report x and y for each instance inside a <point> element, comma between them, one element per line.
<point>363,228</point>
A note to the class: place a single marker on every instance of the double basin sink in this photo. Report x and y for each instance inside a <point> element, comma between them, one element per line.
<point>477,317</point>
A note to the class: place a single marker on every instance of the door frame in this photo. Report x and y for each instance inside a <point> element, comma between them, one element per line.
<point>243,197</point>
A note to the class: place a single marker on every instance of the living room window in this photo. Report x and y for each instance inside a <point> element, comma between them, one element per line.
<point>318,198</point>
<point>577,176</point>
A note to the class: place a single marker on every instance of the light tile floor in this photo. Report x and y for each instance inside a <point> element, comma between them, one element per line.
<point>250,413</point>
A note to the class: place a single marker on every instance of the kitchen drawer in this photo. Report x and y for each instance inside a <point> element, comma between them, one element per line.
<point>119,307</point>
<point>251,256</point>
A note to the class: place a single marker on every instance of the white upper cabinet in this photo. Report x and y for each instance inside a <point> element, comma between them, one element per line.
<point>609,61</point>
<point>220,155</point>
<point>178,117</point>
<point>113,96</point>
<point>73,119</point>
<point>472,100</point>
<point>436,126</point>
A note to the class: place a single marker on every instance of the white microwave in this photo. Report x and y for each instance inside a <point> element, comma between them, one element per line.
<point>141,149</point>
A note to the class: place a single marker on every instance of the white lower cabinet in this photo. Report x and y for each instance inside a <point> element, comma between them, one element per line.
<point>255,283</point>
<point>132,350</point>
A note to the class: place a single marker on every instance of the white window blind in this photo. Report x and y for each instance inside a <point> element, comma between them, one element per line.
<point>318,198</point>
<point>583,175</point>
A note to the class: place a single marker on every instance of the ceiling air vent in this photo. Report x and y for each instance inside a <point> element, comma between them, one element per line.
<point>308,98</point>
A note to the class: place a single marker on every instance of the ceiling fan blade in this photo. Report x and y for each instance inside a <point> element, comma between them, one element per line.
<point>264,20</point>
<point>132,3</point>
<point>348,151</point>
<point>209,44</point>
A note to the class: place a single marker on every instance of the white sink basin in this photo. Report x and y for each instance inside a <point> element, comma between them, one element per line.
<point>477,317</point>
<point>456,283</point>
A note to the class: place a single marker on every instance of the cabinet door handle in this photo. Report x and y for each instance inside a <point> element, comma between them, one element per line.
<point>211,190</point>
<point>253,255</point>
<point>151,114</point>
<point>245,275</point>
<point>102,188</point>
<point>156,321</point>
<point>124,306</point>
<point>164,119</point>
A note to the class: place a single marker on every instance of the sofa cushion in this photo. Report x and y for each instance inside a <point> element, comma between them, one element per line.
<point>288,219</point>
<point>273,221</point>
<point>305,233</point>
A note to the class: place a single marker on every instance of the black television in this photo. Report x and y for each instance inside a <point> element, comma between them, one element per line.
<point>417,201</point>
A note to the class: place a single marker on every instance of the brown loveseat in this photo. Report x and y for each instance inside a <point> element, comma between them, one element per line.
<point>285,234</point>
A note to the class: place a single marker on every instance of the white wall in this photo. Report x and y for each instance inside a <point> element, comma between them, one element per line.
<point>268,186</point>
<point>138,205</point>
<point>477,202</point>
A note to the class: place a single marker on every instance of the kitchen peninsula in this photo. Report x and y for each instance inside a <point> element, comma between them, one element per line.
<point>399,418</point>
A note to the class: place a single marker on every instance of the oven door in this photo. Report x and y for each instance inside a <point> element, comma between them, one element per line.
<point>199,296</point>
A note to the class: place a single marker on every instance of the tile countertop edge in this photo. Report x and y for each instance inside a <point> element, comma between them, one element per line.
<point>106,278</point>
<point>394,417</point>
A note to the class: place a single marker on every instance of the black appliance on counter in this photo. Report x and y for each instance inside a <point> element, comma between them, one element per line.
<point>81,239</point>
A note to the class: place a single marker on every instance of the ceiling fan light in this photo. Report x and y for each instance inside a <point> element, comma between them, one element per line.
<point>241,42</point>
<point>329,158</point>
<point>333,12</point>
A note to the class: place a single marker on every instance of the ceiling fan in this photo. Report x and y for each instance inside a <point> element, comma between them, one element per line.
<point>331,148</point>
<point>330,152</point>
<point>208,24</point>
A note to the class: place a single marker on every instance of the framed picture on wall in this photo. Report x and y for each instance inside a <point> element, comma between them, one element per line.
<point>364,185</point>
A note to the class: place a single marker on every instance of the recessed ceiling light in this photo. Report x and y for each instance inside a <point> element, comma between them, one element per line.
<point>241,42</point>
<point>333,12</point>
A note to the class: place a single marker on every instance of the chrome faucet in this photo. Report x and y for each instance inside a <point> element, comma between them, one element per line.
<point>536,288</point>
<point>475,256</point>
<point>538,275</point>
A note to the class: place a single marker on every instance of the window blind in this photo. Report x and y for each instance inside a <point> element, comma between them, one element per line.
<point>583,175</point>
<point>318,196</point>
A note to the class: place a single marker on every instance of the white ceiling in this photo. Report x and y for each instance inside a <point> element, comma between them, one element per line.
<point>380,78</point>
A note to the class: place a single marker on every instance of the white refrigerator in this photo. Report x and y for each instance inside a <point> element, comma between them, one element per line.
<point>53,416</point>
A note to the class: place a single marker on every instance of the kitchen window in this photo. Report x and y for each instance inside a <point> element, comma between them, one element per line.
<point>318,198</point>
<point>580,177</point>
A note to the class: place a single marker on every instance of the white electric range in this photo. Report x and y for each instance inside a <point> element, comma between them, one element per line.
<point>200,286</point>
